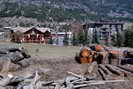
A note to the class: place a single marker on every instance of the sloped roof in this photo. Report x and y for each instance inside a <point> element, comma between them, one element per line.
<point>24,29</point>
<point>21,29</point>
<point>43,29</point>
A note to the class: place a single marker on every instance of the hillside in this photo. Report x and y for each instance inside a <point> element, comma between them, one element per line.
<point>62,10</point>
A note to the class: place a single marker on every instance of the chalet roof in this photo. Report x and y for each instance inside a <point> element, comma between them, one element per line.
<point>43,29</point>
<point>24,29</point>
<point>21,29</point>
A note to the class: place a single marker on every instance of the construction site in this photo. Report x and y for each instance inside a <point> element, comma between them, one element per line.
<point>66,44</point>
<point>38,66</point>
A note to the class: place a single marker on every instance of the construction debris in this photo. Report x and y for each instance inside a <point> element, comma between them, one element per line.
<point>34,82</point>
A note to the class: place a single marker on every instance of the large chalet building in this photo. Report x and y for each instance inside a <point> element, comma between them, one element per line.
<point>30,35</point>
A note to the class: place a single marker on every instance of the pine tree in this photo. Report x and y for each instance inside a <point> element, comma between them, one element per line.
<point>65,41</point>
<point>95,38</point>
<point>74,40</point>
<point>82,38</point>
<point>120,39</point>
<point>129,37</point>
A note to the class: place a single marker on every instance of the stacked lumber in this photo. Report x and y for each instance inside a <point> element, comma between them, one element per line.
<point>108,71</point>
<point>12,58</point>
<point>104,55</point>
<point>128,57</point>
<point>128,53</point>
<point>111,72</point>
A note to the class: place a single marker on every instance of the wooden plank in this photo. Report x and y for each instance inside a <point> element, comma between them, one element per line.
<point>105,69</point>
<point>101,72</point>
<point>76,75</point>
<point>122,70</point>
<point>113,70</point>
<point>98,83</point>
<point>126,69</point>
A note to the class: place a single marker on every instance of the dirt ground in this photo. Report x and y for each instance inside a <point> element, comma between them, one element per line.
<point>45,51</point>
<point>55,61</point>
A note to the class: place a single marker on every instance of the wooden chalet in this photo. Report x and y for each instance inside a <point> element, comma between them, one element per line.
<point>30,35</point>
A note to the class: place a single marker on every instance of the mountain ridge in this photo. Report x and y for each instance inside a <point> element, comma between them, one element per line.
<point>61,10</point>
